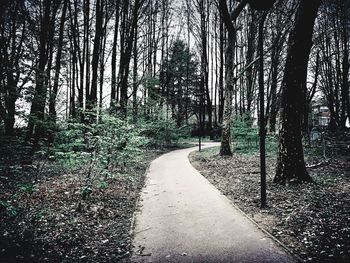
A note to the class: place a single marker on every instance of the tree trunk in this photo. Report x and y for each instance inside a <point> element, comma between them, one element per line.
<point>345,111</point>
<point>114,57</point>
<point>273,90</point>
<point>52,99</point>
<point>35,124</point>
<point>135,84</point>
<point>221,73</point>
<point>229,78</point>
<point>290,163</point>
<point>126,53</point>
<point>250,78</point>
<point>228,96</point>
<point>91,102</point>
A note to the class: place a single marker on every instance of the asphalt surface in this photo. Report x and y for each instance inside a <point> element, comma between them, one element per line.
<point>184,218</point>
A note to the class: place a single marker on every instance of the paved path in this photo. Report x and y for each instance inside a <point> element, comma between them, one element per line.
<point>184,218</point>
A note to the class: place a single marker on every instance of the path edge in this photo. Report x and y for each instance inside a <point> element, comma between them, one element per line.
<point>137,207</point>
<point>270,235</point>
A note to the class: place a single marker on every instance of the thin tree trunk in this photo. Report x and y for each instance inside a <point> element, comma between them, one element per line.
<point>91,102</point>
<point>229,78</point>
<point>114,57</point>
<point>53,95</point>
<point>135,80</point>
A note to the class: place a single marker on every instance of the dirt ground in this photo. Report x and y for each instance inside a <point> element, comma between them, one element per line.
<point>45,219</point>
<point>313,220</point>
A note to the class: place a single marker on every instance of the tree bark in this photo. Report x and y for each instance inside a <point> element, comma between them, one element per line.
<point>35,124</point>
<point>52,99</point>
<point>91,101</point>
<point>290,163</point>
<point>114,57</point>
<point>225,148</point>
<point>135,84</point>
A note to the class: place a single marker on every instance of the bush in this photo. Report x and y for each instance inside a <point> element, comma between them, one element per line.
<point>163,132</point>
<point>244,133</point>
<point>110,144</point>
<point>246,136</point>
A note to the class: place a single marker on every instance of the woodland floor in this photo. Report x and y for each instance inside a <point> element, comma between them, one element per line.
<point>40,220</point>
<point>313,220</point>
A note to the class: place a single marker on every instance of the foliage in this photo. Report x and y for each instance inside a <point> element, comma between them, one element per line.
<point>246,137</point>
<point>112,144</point>
<point>163,132</point>
<point>7,208</point>
<point>180,74</point>
<point>105,149</point>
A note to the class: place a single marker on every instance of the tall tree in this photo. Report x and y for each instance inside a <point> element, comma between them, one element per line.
<point>53,93</point>
<point>37,111</point>
<point>203,8</point>
<point>91,101</point>
<point>13,33</point>
<point>229,77</point>
<point>290,162</point>
<point>114,55</point>
<point>129,24</point>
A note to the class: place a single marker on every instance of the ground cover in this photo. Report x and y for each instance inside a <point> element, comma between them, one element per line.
<point>311,219</point>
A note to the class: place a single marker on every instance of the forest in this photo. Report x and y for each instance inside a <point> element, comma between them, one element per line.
<point>92,91</point>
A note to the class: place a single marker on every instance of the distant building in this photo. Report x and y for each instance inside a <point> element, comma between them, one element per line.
<point>321,116</point>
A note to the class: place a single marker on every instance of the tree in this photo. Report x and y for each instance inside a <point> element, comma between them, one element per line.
<point>290,162</point>
<point>129,24</point>
<point>334,60</point>
<point>37,111</point>
<point>53,94</point>
<point>13,34</point>
<point>91,101</point>
<point>114,55</point>
<point>229,78</point>
<point>182,69</point>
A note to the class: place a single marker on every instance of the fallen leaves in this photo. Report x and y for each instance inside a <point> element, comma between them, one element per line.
<point>48,228</point>
<point>311,219</point>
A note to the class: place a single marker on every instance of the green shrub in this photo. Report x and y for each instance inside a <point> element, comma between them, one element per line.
<point>245,135</point>
<point>163,132</point>
<point>112,143</point>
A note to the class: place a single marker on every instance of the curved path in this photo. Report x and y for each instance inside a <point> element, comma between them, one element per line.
<point>184,218</point>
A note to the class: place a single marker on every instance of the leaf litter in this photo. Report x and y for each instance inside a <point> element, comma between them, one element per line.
<point>313,220</point>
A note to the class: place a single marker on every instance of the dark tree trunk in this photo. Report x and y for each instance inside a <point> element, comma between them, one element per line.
<point>12,34</point>
<point>125,59</point>
<point>91,101</point>
<point>204,63</point>
<point>249,58</point>
<point>221,73</point>
<point>273,90</point>
<point>10,105</point>
<point>135,84</point>
<point>290,163</point>
<point>114,57</point>
<point>52,99</point>
<point>35,124</point>
<point>87,53</point>
<point>345,111</point>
